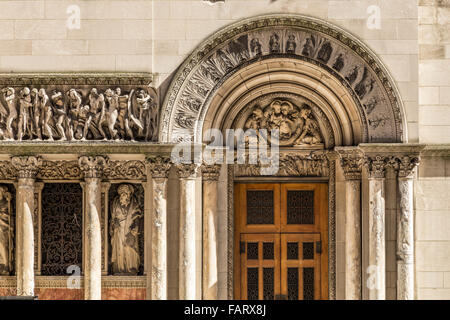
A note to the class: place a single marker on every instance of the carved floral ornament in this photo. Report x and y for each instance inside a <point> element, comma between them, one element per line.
<point>297,37</point>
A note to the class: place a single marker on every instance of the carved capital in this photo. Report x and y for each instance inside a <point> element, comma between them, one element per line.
<point>407,166</point>
<point>27,167</point>
<point>376,166</point>
<point>187,171</point>
<point>92,167</point>
<point>159,166</point>
<point>211,172</point>
<point>352,162</point>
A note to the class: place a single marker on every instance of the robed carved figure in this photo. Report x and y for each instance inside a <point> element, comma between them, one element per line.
<point>5,232</point>
<point>124,231</point>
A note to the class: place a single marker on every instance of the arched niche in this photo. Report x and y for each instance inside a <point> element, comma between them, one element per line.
<point>288,54</point>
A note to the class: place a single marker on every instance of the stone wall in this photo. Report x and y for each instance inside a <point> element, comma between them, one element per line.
<point>157,35</point>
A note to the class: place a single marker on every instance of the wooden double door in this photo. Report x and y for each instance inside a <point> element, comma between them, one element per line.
<point>281,243</point>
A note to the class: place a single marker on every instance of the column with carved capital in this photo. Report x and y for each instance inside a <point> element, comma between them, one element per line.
<point>210,274</point>
<point>92,168</point>
<point>351,162</point>
<point>187,273</point>
<point>377,253</point>
<point>26,168</point>
<point>405,228</point>
<point>159,169</point>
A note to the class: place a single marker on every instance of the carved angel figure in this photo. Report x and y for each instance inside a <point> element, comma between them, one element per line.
<point>124,231</point>
<point>5,232</point>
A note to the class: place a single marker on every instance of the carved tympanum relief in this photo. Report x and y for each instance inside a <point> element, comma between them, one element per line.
<point>296,37</point>
<point>78,114</point>
<point>126,229</point>
<point>6,231</point>
<point>296,125</point>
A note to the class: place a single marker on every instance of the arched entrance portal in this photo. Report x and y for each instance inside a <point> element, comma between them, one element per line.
<point>322,88</point>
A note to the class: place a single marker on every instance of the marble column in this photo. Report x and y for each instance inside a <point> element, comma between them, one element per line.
<point>187,271</point>
<point>376,281</point>
<point>210,174</point>
<point>26,169</point>
<point>405,228</point>
<point>351,162</point>
<point>159,170</point>
<point>92,168</point>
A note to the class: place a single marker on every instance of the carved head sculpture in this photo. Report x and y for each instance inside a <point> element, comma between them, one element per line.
<point>286,108</point>
<point>118,91</point>
<point>8,91</point>
<point>109,92</point>
<point>94,92</point>
<point>24,92</point>
<point>276,106</point>
<point>305,112</point>
<point>125,192</point>
<point>42,92</point>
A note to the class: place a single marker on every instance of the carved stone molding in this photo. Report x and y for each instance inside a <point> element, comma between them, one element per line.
<point>296,37</point>
<point>92,167</point>
<point>211,172</point>
<point>27,167</point>
<point>120,170</point>
<point>187,171</point>
<point>376,166</point>
<point>352,162</point>
<point>62,282</point>
<point>159,166</point>
<point>50,170</point>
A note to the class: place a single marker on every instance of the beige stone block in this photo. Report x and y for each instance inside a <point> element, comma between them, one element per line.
<point>131,9</point>
<point>199,10</point>
<point>40,29</point>
<point>57,63</point>
<point>161,10</point>
<point>432,51</point>
<point>430,279</point>
<point>412,111</point>
<point>137,29</point>
<point>444,95</point>
<point>347,9</point>
<point>110,46</point>
<point>244,9</point>
<point>165,46</point>
<point>98,29</point>
<point>433,294</point>
<point>134,63</point>
<point>394,46</point>
<point>185,47</point>
<point>201,29</point>
<point>446,279</point>
<point>434,134</point>
<point>431,167</point>
<point>22,9</point>
<point>429,34</point>
<point>433,225</point>
<point>413,132</point>
<point>143,47</point>
<point>406,29</point>
<point>59,47</point>
<point>169,30</point>
<point>15,47</point>
<point>408,90</point>
<point>167,63</point>
<point>391,259</point>
<point>399,9</point>
<point>434,115</point>
<point>432,194</point>
<point>432,256</point>
<point>427,15</point>
<point>399,66</point>
<point>429,95</point>
<point>7,30</point>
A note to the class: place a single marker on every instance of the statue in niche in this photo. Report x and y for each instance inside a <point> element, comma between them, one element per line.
<point>291,45</point>
<point>255,47</point>
<point>339,62</point>
<point>46,114</point>
<point>124,231</point>
<point>60,111</point>
<point>6,227</point>
<point>365,86</point>
<point>9,112</point>
<point>274,43</point>
<point>296,126</point>
<point>308,48</point>
<point>25,104</point>
<point>324,54</point>
<point>352,75</point>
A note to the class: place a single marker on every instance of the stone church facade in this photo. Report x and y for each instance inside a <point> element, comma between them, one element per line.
<point>97,97</point>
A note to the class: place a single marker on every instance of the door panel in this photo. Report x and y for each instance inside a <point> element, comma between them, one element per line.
<point>260,267</point>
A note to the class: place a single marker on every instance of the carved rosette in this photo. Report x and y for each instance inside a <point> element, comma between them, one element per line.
<point>92,167</point>
<point>211,172</point>
<point>187,170</point>
<point>159,166</point>
<point>352,162</point>
<point>27,167</point>
<point>376,166</point>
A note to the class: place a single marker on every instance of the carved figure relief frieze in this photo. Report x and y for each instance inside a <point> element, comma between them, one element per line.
<point>126,230</point>
<point>66,113</point>
<point>7,219</point>
<point>293,37</point>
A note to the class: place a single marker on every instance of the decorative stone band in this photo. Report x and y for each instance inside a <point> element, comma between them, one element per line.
<point>92,167</point>
<point>352,162</point>
<point>26,167</point>
<point>211,172</point>
<point>187,170</point>
<point>159,166</point>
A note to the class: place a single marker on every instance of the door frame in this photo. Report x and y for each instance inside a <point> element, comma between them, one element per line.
<point>325,213</point>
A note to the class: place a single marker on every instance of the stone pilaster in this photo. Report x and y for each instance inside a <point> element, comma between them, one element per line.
<point>376,166</point>
<point>210,175</point>
<point>351,162</point>
<point>405,227</point>
<point>92,168</point>
<point>26,168</point>
<point>159,170</point>
<point>187,273</point>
